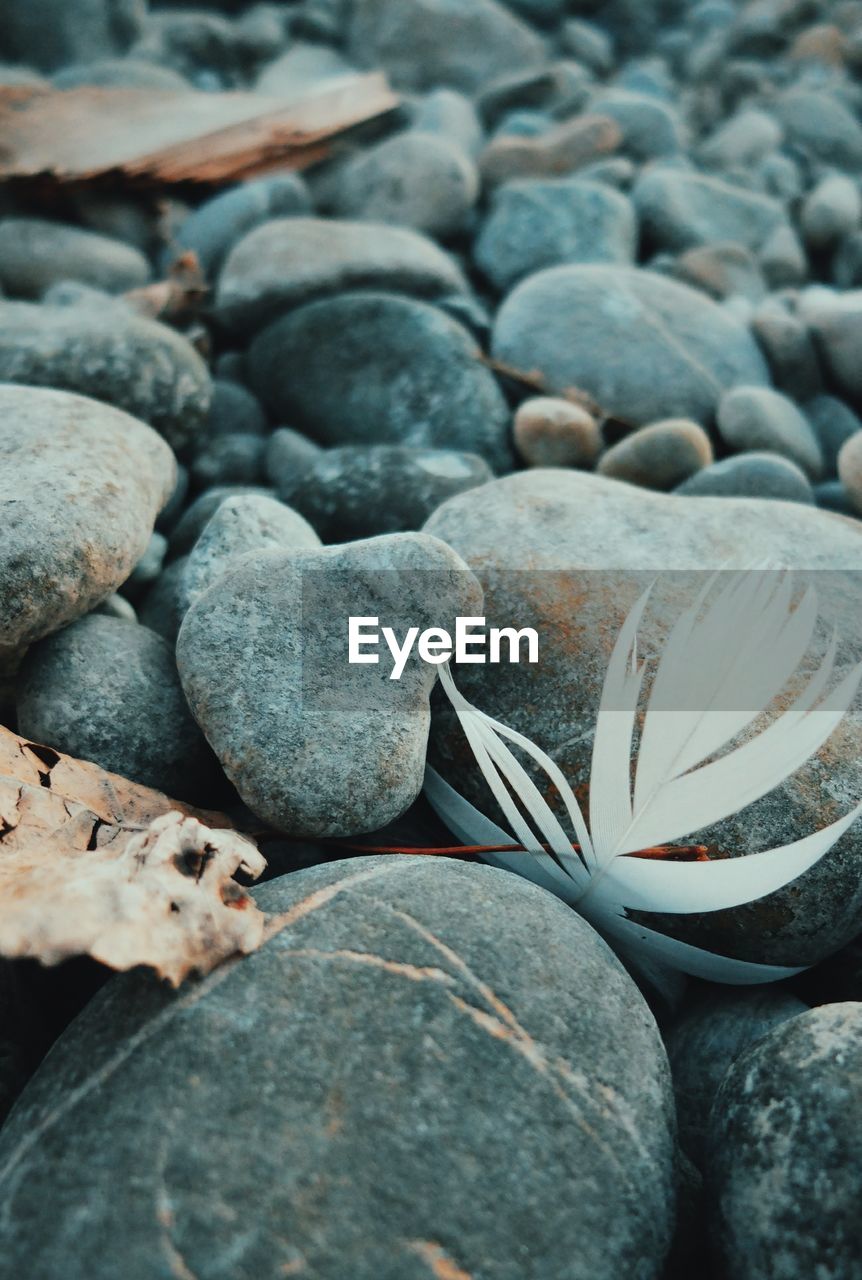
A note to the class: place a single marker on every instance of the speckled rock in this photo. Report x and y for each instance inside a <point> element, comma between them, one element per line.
<point>751,475</point>
<point>290,261</point>
<point>532,225</point>
<point>107,690</point>
<point>240,525</point>
<point>551,432</point>
<point>358,491</point>
<point>80,486</point>
<point>214,227</point>
<point>34,254</point>
<point>315,745</point>
<point>139,365</point>
<point>289,455</point>
<point>789,349</point>
<point>710,1035</point>
<point>650,127</point>
<point>679,210</point>
<point>659,456</point>
<point>743,139</point>
<point>56,32</point>
<point>682,350</point>
<point>850,469</point>
<point>304,68</point>
<point>782,258</point>
<point>426,43</point>
<point>787,1117</point>
<point>413,180</point>
<point>758,418</point>
<point>393,987</point>
<point>606,542</point>
<point>836,321</point>
<point>162,607</point>
<point>723,270</point>
<point>373,368</point>
<point>189,527</point>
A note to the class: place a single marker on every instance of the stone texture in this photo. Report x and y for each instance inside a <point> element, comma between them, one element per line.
<point>831,211</point>
<point>556,151</point>
<point>605,542</point>
<point>314,745</point>
<point>659,456</point>
<point>212,229</point>
<point>290,261</point>
<point>750,475</point>
<point>107,690</point>
<point>850,470</point>
<point>758,418</point>
<point>787,1118</point>
<point>682,350</point>
<point>56,32</point>
<point>35,253</point>
<point>679,210</point>
<point>373,368</point>
<point>393,987</point>
<point>80,486</point>
<point>551,432</point>
<point>138,365</point>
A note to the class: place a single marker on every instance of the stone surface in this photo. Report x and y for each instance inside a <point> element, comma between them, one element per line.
<point>139,365</point>
<point>235,458</point>
<point>551,432</point>
<point>659,456</point>
<point>707,1039</point>
<point>373,368</point>
<point>743,139</point>
<point>787,1118</point>
<point>821,126</point>
<point>832,210</point>
<point>35,253</point>
<point>293,260</point>
<point>834,422</point>
<point>191,524</point>
<point>121,73</point>
<point>682,350</point>
<point>750,475</point>
<point>760,419</point>
<point>358,491</point>
<point>212,229</point>
<point>80,487</point>
<point>679,210</point>
<point>650,127</point>
<point>850,469</point>
<point>314,745</point>
<point>425,43</point>
<point>413,180</point>
<point>555,152</point>
<point>394,987</point>
<point>606,542</point>
<point>240,525</point>
<point>56,32</point>
<point>533,224</point>
<point>107,690</point>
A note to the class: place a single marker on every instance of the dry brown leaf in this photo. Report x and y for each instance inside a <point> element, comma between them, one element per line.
<point>92,864</point>
<point>132,135</point>
<point>178,298</point>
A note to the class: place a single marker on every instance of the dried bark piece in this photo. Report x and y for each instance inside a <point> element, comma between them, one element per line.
<point>92,864</point>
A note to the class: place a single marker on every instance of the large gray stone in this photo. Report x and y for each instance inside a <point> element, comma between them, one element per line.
<point>290,261</point>
<point>373,368</point>
<point>80,487</point>
<point>423,44</point>
<point>104,351</point>
<point>643,346</point>
<point>55,32</point>
<point>315,745</point>
<point>605,543</point>
<point>784,1152</point>
<point>35,253</point>
<point>410,1024</point>
<point>107,690</point>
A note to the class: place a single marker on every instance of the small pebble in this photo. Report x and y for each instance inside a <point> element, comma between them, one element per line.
<point>551,432</point>
<point>759,419</point>
<point>659,456</point>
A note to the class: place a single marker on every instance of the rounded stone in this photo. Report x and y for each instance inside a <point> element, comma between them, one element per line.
<point>682,350</point>
<point>659,456</point>
<point>821,126</point>
<point>787,1118</point>
<point>107,690</point>
<point>413,180</point>
<point>374,368</point>
<point>572,552</point>
<point>191,524</point>
<point>80,487</point>
<point>229,459</point>
<point>315,745</point>
<point>751,475</point>
<point>550,432</point>
<point>139,365</point>
<point>212,229</point>
<point>831,211</point>
<point>394,987</point>
<point>850,469</point>
<point>762,420</point>
<point>35,254</point>
<point>679,210</point>
<point>290,261</point>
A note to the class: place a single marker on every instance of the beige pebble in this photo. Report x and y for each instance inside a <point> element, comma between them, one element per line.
<point>551,432</point>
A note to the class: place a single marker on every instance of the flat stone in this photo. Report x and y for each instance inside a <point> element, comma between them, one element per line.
<point>760,419</point>
<point>233,458</point>
<point>35,253</point>
<point>787,1117</point>
<point>107,690</point>
<point>339,748</point>
<point>290,261</point>
<point>138,365</point>
<point>836,322</point>
<point>304,67</point>
<point>373,368</point>
<point>834,422</point>
<point>408,987</point>
<point>80,487</point>
<point>650,127</point>
<point>605,543</point>
<point>191,524</point>
<point>679,210</point>
<point>569,324</point>
<point>121,73</point>
<point>751,475</point>
<point>831,211</point>
<point>534,224</point>
<point>660,456</point>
